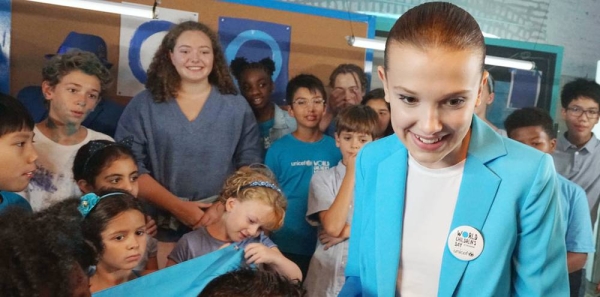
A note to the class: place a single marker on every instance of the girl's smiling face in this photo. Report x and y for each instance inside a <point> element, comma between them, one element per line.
<point>124,240</point>
<point>256,86</point>
<point>432,95</point>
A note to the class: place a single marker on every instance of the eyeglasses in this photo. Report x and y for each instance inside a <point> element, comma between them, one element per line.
<point>305,103</point>
<point>578,111</point>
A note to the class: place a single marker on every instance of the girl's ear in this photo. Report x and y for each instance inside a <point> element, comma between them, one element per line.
<point>230,203</point>
<point>84,186</point>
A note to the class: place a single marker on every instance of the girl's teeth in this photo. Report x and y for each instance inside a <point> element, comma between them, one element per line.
<point>428,141</point>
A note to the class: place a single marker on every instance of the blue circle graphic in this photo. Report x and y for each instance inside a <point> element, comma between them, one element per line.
<point>251,35</point>
<point>143,32</point>
<point>465,234</point>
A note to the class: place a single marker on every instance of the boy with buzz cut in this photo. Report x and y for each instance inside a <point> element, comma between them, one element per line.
<point>72,85</point>
<point>577,155</point>
<point>535,128</point>
<point>330,201</point>
<point>17,160</point>
<point>294,159</point>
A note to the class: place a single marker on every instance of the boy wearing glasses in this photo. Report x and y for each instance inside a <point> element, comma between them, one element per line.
<point>577,155</point>
<point>294,158</point>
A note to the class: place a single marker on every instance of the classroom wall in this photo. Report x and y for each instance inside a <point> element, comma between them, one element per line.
<point>317,42</point>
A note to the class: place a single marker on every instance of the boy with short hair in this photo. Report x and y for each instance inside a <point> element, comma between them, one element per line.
<point>17,160</point>
<point>294,158</point>
<point>330,201</point>
<point>72,85</point>
<point>577,155</point>
<point>534,127</point>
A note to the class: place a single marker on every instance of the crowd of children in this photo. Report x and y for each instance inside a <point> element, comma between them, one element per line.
<point>189,151</point>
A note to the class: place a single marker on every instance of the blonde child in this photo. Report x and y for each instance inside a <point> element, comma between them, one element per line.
<point>115,225</point>
<point>253,204</point>
<point>103,164</point>
<point>330,202</point>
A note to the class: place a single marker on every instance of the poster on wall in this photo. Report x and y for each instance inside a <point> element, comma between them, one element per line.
<point>5,25</point>
<point>256,40</point>
<point>139,41</point>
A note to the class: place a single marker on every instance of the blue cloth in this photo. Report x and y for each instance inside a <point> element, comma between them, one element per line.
<point>10,199</point>
<point>191,159</point>
<point>103,119</point>
<point>265,127</point>
<point>509,192</point>
<point>186,279</point>
<point>293,162</point>
<point>576,214</point>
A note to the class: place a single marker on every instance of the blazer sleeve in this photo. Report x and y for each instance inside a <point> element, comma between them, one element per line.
<point>353,286</point>
<point>539,261</point>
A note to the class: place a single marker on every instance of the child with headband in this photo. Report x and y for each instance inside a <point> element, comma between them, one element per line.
<point>115,225</point>
<point>253,203</point>
<point>103,164</point>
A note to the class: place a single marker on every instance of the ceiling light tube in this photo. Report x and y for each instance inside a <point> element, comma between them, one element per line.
<point>376,44</point>
<point>105,6</point>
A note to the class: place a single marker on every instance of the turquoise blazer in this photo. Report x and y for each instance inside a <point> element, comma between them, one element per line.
<point>508,192</point>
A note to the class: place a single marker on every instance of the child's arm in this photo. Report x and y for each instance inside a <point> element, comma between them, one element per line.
<point>152,264</point>
<point>329,241</point>
<point>258,253</point>
<point>334,219</point>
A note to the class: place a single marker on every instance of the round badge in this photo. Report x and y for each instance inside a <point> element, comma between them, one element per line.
<point>465,243</point>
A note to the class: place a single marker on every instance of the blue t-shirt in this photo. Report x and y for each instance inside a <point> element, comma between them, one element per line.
<point>293,162</point>
<point>265,132</point>
<point>12,199</point>
<point>576,214</point>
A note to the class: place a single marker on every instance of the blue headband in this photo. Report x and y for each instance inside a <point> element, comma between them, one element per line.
<point>96,146</point>
<point>264,184</point>
<point>88,201</point>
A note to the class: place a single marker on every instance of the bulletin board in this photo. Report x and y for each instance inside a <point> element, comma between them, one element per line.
<point>317,44</point>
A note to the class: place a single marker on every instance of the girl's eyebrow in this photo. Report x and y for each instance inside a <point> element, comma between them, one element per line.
<point>114,175</point>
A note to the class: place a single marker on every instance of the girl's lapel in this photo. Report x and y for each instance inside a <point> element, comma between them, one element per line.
<point>389,213</point>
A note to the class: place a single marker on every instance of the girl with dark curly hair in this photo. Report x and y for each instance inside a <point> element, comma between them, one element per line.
<point>190,128</point>
<point>256,84</point>
<point>115,225</point>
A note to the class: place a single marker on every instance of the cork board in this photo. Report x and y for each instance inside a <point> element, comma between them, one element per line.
<point>317,38</point>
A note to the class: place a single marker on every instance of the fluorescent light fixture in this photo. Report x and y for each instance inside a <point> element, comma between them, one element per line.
<point>105,6</point>
<point>379,45</point>
<point>509,63</point>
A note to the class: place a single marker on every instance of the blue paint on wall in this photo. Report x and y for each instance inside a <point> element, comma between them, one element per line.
<point>5,25</point>
<point>140,35</point>
<point>256,40</point>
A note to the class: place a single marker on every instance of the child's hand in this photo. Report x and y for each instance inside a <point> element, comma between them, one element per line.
<point>150,226</point>
<point>329,241</point>
<point>258,253</point>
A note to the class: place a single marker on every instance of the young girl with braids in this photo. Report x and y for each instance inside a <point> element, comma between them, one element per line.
<point>253,204</point>
<point>103,164</point>
<point>256,84</point>
<point>115,225</point>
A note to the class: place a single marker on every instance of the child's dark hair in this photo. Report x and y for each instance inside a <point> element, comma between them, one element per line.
<point>41,253</point>
<point>241,64</point>
<point>530,117</point>
<point>309,81</point>
<point>374,94</point>
<point>357,118</point>
<point>579,88</point>
<point>353,69</point>
<point>14,117</point>
<point>61,65</point>
<point>249,282</point>
<point>96,156</point>
<point>112,203</point>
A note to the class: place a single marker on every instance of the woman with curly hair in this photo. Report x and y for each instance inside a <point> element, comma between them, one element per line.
<point>190,128</point>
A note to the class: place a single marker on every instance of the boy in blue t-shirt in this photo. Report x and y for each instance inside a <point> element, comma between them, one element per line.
<point>534,127</point>
<point>17,160</point>
<point>294,158</point>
